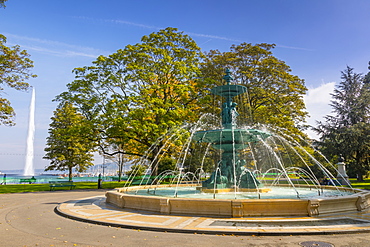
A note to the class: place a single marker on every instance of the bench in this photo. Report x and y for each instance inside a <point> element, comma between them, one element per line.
<point>27,180</point>
<point>57,184</point>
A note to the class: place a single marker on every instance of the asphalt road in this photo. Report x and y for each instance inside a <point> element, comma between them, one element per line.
<point>28,219</point>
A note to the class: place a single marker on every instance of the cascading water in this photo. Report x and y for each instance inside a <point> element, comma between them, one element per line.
<point>256,172</point>
<point>239,169</point>
<point>28,167</point>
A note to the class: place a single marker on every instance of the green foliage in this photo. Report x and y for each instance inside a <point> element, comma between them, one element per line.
<point>166,164</point>
<point>68,145</point>
<point>136,95</point>
<point>347,133</point>
<point>14,71</point>
<point>201,156</point>
<point>2,3</point>
<point>137,170</point>
<point>274,96</point>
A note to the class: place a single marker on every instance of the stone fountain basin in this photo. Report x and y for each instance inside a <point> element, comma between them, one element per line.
<point>358,201</point>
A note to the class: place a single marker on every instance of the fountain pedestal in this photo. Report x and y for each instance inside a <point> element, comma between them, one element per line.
<point>342,176</point>
<point>231,171</point>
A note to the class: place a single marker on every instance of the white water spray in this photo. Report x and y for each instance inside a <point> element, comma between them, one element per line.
<point>28,167</point>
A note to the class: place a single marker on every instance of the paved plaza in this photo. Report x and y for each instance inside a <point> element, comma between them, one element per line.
<point>96,210</point>
<point>30,219</point>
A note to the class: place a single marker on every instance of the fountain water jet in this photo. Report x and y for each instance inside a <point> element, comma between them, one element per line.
<point>234,182</point>
<point>230,140</point>
<point>28,167</point>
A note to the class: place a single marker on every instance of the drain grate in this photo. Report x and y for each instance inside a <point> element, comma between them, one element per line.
<point>316,244</point>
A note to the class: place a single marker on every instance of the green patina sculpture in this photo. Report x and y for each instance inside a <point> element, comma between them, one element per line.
<point>231,169</point>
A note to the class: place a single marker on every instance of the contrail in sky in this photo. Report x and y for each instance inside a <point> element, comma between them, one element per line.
<point>155,28</point>
<point>189,33</point>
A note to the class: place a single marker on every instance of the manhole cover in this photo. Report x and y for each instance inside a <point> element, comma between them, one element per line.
<point>316,244</point>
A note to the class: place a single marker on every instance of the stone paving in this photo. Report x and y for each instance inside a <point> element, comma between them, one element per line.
<point>29,219</point>
<point>95,210</point>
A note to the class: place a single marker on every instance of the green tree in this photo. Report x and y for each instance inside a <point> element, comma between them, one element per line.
<point>68,146</point>
<point>166,164</point>
<point>137,170</point>
<point>347,131</point>
<point>14,71</point>
<point>139,93</point>
<point>201,158</point>
<point>274,96</point>
<point>2,3</point>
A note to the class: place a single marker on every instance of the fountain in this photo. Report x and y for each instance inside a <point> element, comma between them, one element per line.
<point>28,167</point>
<point>231,140</point>
<point>237,188</point>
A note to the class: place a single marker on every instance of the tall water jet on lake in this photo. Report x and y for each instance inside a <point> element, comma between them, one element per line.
<point>28,167</point>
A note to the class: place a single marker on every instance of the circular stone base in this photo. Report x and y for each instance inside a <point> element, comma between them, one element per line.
<point>96,210</point>
<point>238,208</point>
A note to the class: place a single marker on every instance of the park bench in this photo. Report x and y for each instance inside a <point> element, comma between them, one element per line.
<point>27,180</point>
<point>57,184</point>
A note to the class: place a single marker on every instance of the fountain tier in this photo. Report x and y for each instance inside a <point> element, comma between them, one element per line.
<point>230,173</point>
<point>229,139</point>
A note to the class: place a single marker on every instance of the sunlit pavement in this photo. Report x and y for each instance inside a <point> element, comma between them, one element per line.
<point>95,210</point>
<point>29,219</point>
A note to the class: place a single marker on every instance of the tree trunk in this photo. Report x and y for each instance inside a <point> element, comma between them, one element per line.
<point>70,174</point>
<point>360,177</point>
<point>119,173</point>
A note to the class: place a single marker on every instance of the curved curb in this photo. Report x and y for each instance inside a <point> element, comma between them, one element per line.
<point>64,209</point>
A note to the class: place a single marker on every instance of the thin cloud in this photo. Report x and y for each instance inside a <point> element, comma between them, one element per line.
<point>54,48</point>
<point>294,48</point>
<point>128,23</point>
<point>133,24</point>
<point>213,37</point>
<point>58,53</point>
<point>209,36</point>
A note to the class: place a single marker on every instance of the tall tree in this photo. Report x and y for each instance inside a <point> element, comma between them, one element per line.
<point>274,96</point>
<point>138,94</point>
<point>15,68</point>
<point>67,146</point>
<point>347,131</point>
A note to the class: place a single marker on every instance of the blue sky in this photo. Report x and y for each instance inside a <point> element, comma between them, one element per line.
<point>316,38</point>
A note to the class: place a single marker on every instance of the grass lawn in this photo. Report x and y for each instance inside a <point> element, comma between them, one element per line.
<point>17,188</point>
<point>365,185</point>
